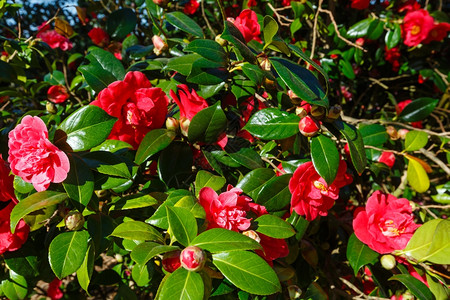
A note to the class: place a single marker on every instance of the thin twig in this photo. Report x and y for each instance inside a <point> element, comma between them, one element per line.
<point>68,85</point>
<point>361,295</point>
<point>439,162</point>
<point>206,20</point>
<point>280,17</point>
<point>314,38</point>
<point>273,165</point>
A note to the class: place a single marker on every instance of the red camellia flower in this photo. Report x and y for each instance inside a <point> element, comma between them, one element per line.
<point>227,210</point>
<point>416,26</point>
<point>191,7</point>
<point>57,94</point>
<point>388,158</point>
<point>190,103</point>
<point>251,3</point>
<point>393,56</point>
<point>171,261</point>
<point>193,258</point>
<point>9,241</point>
<point>54,291</point>
<point>386,224</point>
<point>399,108</point>
<point>6,182</point>
<point>52,38</point>
<point>360,4</point>
<point>309,126</point>
<point>33,157</point>
<point>311,195</point>
<point>99,37</point>
<point>247,23</point>
<point>437,33</point>
<point>138,107</point>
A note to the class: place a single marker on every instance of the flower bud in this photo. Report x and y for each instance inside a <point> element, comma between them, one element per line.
<point>392,132</point>
<point>184,125</point>
<point>161,3</point>
<point>253,235</point>
<point>119,258</point>
<point>74,220</point>
<point>388,261</point>
<point>221,41</point>
<point>101,193</point>
<point>317,111</point>
<point>301,111</point>
<point>51,107</point>
<point>193,258</point>
<point>171,261</point>
<point>265,64</point>
<point>172,124</point>
<point>334,112</point>
<point>309,126</point>
<point>159,45</point>
<point>294,98</point>
<point>294,292</point>
<point>402,133</point>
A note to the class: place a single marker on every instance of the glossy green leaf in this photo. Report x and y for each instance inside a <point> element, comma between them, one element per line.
<point>359,29</point>
<point>374,134</point>
<point>153,142</point>
<point>207,72</point>
<point>15,287</point>
<point>415,140</point>
<point>183,64</point>
<point>359,254</point>
<point>315,292</point>
<point>222,240</point>
<point>100,226</point>
<point>175,164</point>
<point>103,68</point>
<point>79,183</point>
<point>23,261</point>
<point>108,163</point>
<point>182,224</point>
<point>33,203</point>
<point>133,201</point>
<point>355,143</point>
<point>112,146</point>
<point>254,180</point>
<point>248,158</point>
<point>417,176</point>
<point>142,274</point>
<point>301,81</point>
<point>87,127</point>
<point>182,284</point>
<point>67,252</point>
<point>274,226</point>
<point>299,223</point>
<point>137,230</point>
<point>439,290</point>
<point>84,273</point>
<point>206,179</point>
<point>207,124</point>
<point>191,204</point>
<point>120,23</point>
<point>159,218</point>
<point>243,89</point>
<point>418,109</point>
<point>254,73</point>
<point>184,23</point>
<point>270,29</point>
<point>431,242</point>
<point>247,271</point>
<point>376,29</point>
<point>232,34</point>
<point>21,186</point>
<point>393,37</point>
<point>325,157</point>
<point>142,253</point>
<point>209,49</point>
<point>275,194</point>
<point>417,287</point>
<point>272,123</point>
<point>346,68</point>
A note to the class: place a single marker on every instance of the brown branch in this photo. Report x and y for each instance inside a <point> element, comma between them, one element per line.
<point>439,162</point>
<point>206,20</point>
<point>314,39</point>
<point>280,17</point>
<point>361,295</point>
<point>273,165</point>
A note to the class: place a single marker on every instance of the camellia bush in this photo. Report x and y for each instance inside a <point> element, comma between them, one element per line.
<point>257,149</point>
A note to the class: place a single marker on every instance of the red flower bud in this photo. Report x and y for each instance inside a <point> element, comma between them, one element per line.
<point>159,44</point>
<point>309,126</point>
<point>193,258</point>
<point>171,261</point>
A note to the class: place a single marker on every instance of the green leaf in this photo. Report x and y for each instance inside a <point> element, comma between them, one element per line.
<point>15,287</point>
<point>142,253</point>
<point>159,218</point>
<point>21,186</point>
<point>87,127</point>
<point>206,179</point>
<point>275,194</point>
<point>254,180</point>
<point>346,68</point>
<point>418,109</point>
<point>359,254</point>
<point>137,230</point>
<point>108,163</point>
<point>417,287</point>
<point>270,29</point>
<point>133,201</point>
<point>33,203</point>
<point>182,284</point>
<point>222,240</point>
<point>431,242</point>
<point>254,73</point>
<point>153,142</point>
<point>103,68</point>
<point>120,23</point>
<point>184,23</point>
<point>272,123</point>
<point>301,81</point>
<point>359,29</point>
<point>79,183</point>
<point>182,224</point>
<point>84,273</point>
<point>355,143</point>
<point>374,134</point>
<point>376,29</point>
<point>415,140</point>
<point>393,37</point>
<point>417,176</point>
<point>247,271</point>
<point>209,49</point>
<point>23,261</point>
<point>175,164</point>
<point>67,252</point>
<point>142,274</point>
<point>191,204</point>
<point>439,290</point>
<point>207,72</point>
<point>207,124</point>
<point>274,226</point>
<point>325,157</point>
<point>232,34</point>
<point>248,158</point>
<point>100,226</point>
<point>183,64</point>
<point>299,223</point>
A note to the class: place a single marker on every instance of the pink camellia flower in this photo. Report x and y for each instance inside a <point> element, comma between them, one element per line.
<point>99,37</point>
<point>386,224</point>
<point>227,210</point>
<point>6,182</point>
<point>437,33</point>
<point>57,94</point>
<point>190,103</point>
<point>52,38</point>
<point>138,107</point>
<point>9,241</point>
<point>191,7</point>
<point>399,108</point>
<point>311,195</point>
<point>159,45</point>
<point>247,23</point>
<point>309,126</point>
<point>360,4</point>
<point>54,291</point>
<point>416,26</point>
<point>33,157</point>
<point>193,258</point>
<point>388,158</point>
